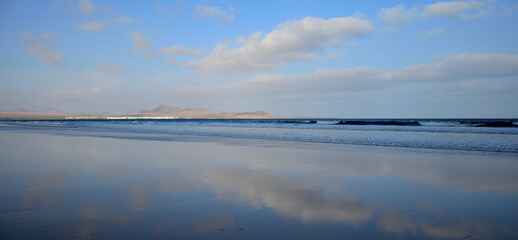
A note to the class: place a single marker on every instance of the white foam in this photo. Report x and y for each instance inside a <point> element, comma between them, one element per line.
<point>373,135</point>
<point>460,138</point>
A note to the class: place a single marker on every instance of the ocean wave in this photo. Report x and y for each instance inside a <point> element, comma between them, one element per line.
<point>497,124</point>
<point>382,123</point>
<point>469,138</point>
<point>417,126</point>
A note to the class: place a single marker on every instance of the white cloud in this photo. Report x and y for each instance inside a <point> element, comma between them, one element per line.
<point>86,6</point>
<point>463,9</point>
<point>180,50</point>
<point>204,11</point>
<point>110,67</point>
<point>100,25</point>
<point>38,48</point>
<point>396,15</point>
<point>433,33</point>
<point>353,81</point>
<point>140,42</point>
<point>48,36</point>
<point>291,41</point>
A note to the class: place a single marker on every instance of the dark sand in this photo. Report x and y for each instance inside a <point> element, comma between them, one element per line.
<point>70,187</point>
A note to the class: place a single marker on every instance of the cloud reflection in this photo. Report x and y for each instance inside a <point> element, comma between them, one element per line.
<point>142,191</point>
<point>462,172</point>
<point>289,198</point>
<point>40,191</point>
<point>394,222</point>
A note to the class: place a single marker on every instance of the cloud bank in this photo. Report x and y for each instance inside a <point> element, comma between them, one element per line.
<point>349,80</point>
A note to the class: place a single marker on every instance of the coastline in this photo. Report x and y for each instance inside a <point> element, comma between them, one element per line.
<point>145,116</point>
<point>452,134</point>
<point>107,116</point>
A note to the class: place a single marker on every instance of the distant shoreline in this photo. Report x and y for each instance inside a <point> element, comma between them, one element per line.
<point>107,116</point>
<point>165,116</point>
<point>160,112</point>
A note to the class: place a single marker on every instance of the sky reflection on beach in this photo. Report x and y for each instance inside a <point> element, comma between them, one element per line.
<point>88,187</point>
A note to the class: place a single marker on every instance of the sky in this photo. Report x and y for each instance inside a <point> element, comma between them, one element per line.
<point>349,59</point>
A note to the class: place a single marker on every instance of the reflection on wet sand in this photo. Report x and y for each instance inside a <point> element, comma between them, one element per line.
<point>42,191</point>
<point>458,170</point>
<point>98,219</point>
<point>97,188</point>
<point>141,192</point>
<point>394,222</point>
<point>220,224</point>
<point>306,201</point>
<point>297,199</point>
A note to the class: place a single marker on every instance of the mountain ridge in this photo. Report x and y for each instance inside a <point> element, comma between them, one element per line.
<point>201,113</point>
<point>161,112</point>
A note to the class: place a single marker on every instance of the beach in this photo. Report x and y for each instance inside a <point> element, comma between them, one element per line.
<point>80,185</point>
<point>362,120</point>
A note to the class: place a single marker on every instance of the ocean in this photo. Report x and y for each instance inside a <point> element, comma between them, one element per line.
<point>494,135</point>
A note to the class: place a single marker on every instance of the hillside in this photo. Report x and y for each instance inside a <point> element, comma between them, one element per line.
<point>160,112</point>
<point>164,110</point>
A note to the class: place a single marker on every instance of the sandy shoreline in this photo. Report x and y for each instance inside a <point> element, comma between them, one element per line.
<point>214,187</point>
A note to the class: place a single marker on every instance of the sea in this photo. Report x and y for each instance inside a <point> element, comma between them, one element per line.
<point>492,135</point>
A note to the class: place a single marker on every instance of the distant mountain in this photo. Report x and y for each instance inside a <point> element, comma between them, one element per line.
<point>164,110</point>
<point>258,113</point>
<point>20,110</point>
<point>52,110</point>
<point>160,112</point>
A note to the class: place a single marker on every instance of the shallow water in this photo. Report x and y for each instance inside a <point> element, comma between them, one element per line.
<point>452,134</point>
<point>135,186</point>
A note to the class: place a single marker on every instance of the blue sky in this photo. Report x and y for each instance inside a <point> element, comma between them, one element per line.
<point>297,58</point>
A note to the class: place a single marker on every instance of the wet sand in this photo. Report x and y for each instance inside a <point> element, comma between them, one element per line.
<point>144,186</point>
